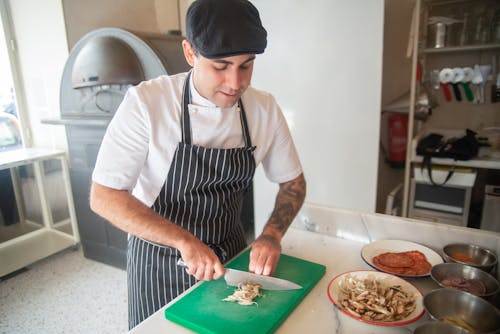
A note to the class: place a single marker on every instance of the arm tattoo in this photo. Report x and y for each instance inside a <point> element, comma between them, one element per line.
<point>288,202</point>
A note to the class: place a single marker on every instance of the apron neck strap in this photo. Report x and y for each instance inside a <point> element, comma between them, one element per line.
<point>244,125</point>
<point>186,121</point>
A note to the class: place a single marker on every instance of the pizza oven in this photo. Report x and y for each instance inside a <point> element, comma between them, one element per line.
<point>100,68</point>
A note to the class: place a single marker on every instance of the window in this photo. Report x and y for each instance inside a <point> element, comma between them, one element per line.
<point>10,128</point>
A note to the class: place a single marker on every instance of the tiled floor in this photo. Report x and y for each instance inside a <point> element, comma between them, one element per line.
<point>65,293</point>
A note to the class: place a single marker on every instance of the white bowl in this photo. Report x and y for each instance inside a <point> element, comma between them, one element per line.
<point>334,293</point>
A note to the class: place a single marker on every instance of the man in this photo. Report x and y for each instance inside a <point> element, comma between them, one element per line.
<point>180,153</point>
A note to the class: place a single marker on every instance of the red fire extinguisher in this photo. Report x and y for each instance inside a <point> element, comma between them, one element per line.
<point>398,127</point>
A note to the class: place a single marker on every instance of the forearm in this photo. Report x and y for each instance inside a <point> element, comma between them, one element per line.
<point>266,249</point>
<point>130,215</point>
<point>288,202</point>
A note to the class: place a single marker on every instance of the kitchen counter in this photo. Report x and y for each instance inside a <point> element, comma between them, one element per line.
<point>334,238</point>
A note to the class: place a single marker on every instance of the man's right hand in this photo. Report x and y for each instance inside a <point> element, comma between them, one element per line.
<point>201,261</point>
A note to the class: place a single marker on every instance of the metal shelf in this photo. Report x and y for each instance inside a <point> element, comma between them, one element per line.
<point>423,9</point>
<point>79,121</point>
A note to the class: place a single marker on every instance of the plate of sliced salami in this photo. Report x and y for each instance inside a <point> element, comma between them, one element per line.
<point>400,257</point>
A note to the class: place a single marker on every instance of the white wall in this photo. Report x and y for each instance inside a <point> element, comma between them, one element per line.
<point>324,65</point>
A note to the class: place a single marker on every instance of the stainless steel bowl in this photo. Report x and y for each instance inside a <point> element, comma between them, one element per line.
<point>480,257</point>
<point>439,327</point>
<point>462,308</point>
<point>444,272</point>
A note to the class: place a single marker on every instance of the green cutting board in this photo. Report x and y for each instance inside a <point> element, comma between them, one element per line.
<point>204,311</point>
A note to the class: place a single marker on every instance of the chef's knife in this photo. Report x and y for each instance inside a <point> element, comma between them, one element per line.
<point>235,277</point>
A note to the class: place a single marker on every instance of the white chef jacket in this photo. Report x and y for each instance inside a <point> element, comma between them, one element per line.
<point>141,139</point>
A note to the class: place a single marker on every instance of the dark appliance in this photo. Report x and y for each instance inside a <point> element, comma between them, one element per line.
<point>101,67</point>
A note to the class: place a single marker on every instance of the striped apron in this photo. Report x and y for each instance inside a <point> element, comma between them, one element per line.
<point>203,193</point>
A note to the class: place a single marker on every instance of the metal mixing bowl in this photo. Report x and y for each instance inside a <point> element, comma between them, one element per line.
<point>445,271</point>
<point>451,305</point>
<point>481,257</point>
<point>439,327</point>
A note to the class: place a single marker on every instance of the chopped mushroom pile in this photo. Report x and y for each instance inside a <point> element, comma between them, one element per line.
<point>374,299</point>
<point>245,294</point>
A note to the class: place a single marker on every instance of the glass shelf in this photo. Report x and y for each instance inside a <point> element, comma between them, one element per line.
<point>446,2</point>
<point>456,49</point>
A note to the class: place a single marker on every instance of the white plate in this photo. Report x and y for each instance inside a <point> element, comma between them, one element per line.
<point>334,291</point>
<point>369,251</point>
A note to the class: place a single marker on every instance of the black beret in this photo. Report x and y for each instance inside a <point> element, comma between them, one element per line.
<point>224,28</point>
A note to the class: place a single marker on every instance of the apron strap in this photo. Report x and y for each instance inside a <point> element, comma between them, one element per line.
<point>244,125</point>
<point>186,121</point>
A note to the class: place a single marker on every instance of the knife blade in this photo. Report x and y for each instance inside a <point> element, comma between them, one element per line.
<point>235,277</point>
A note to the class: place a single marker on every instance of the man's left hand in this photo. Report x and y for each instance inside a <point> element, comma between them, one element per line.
<point>264,255</point>
<point>266,250</point>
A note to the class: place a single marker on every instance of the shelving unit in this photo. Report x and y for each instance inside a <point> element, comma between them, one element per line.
<point>464,114</point>
<point>26,242</point>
